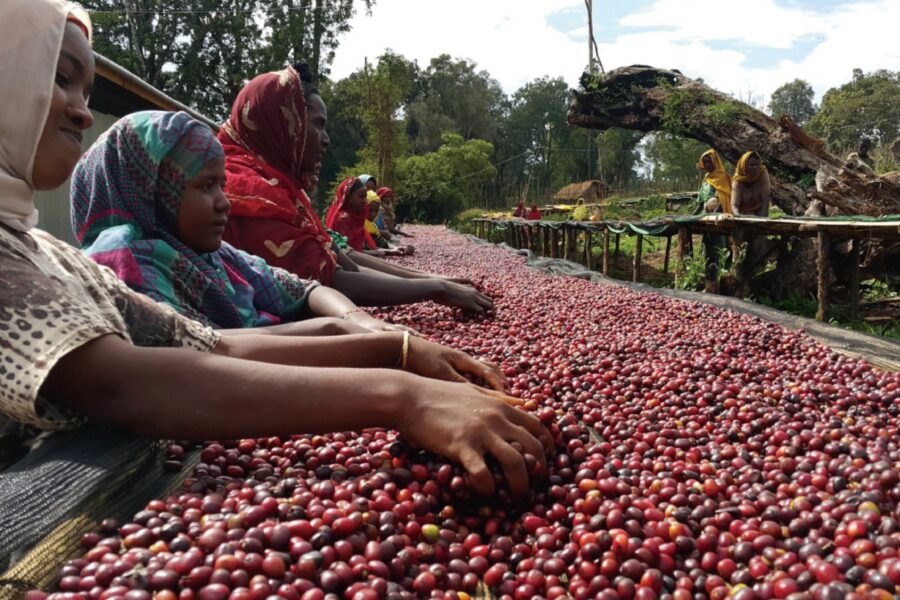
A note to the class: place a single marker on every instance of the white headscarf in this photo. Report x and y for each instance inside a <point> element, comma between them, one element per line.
<point>31,33</point>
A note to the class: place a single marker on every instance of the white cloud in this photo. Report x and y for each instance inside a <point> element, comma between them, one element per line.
<point>513,41</point>
<point>508,38</point>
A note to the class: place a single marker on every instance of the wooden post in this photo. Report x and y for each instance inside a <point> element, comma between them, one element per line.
<point>684,241</point>
<point>554,242</point>
<point>565,241</point>
<point>638,251</point>
<point>854,279</point>
<point>822,266</point>
<point>668,251</point>
<point>588,251</point>
<point>606,251</point>
<point>616,253</point>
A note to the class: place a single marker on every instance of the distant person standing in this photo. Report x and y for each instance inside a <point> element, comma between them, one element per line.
<point>714,197</point>
<point>751,193</point>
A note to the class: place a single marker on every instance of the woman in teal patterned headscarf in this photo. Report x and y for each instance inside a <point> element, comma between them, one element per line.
<point>126,202</point>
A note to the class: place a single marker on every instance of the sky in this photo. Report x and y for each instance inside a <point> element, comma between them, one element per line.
<point>745,48</point>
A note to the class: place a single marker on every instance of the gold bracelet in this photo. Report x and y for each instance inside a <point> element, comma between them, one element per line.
<point>350,312</point>
<point>404,357</point>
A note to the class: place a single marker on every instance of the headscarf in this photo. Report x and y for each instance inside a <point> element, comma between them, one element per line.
<point>387,207</point>
<point>264,140</point>
<point>364,179</point>
<point>718,179</point>
<point>126,197</point>
<point>347,222</point>
<point>740,171</point>
<point>30,39</point>
<point>371,227</point>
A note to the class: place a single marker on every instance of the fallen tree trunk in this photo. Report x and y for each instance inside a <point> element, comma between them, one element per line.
<point>648,99</point>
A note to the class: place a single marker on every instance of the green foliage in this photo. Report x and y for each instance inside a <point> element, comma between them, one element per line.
<point>434,187</point>
<point>675,111</point>
<point>204,56</point>
<point>617,155</point>
<point>673,157</point>
<point>865,107</point>
<point>794,99</point>
<point>463,221</point>
<point>377,94</point>
<point>723,113</point>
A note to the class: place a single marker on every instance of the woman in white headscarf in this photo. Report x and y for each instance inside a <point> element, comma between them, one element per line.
<point>78,343</point>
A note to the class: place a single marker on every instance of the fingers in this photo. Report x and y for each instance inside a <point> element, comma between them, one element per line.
<point>533,447</point>
<point>532,425</point>
<point>490,373</point>
<point>479,475</point>
<point>513,465</point>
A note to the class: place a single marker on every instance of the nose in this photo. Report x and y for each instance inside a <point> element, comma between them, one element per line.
<point>79,114</point>
<point>326,141</point>
<point>222,204</point>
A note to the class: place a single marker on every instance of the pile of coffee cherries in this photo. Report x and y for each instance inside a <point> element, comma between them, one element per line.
<point>699,454</point>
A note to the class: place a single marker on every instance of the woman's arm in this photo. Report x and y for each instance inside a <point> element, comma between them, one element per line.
<point>370,288</point>
<point>181,394</point>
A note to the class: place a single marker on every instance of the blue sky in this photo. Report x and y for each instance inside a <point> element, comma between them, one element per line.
<point>743,48</point>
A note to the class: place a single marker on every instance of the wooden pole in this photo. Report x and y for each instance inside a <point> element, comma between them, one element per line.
<point>566,245</point>
<point>684,241</point>
<point>616,253</point>
<point>638,251</point>
<point>854,279</point>
<point>554,242</point>
<point>822,266</point>
<point>668,251</point>
<point>588,251</point>
<point>606,251</point>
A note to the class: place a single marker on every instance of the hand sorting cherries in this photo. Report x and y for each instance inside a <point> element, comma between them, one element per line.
<point>699,454</point>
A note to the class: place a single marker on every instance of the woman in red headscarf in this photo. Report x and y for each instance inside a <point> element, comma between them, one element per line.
<point>348,213</point>
<point>535,213</point>
<point>274,142</point>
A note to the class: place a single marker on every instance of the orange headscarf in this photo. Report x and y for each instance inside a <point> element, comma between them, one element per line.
<point>718,178</point>
<point>740,171</point>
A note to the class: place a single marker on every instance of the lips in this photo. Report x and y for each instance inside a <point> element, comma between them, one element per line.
<point>74,134</point>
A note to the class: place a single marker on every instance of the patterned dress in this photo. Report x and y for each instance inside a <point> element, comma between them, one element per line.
<point>54,300</point>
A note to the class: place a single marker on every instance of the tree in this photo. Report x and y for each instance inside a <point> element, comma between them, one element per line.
<point>451,95</point>
<point>378,94</point>
<point>434,187</point>
<point>617,155</point>
<point>203,54</point>
<point>794,99</point>
<point>673,159</point>
<point>866,107</point>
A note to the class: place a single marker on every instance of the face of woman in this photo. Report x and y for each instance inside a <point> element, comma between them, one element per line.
<point>204,209</point>
<point>370,185</point>
<point>708,164</point>
<point>753,166</point>
<point>357,199</point>
<point>59,147</point>
<point>317,139</point>
<point>374,207</point>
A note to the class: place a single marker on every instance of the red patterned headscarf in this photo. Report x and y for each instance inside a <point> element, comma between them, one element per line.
<point>264,139</point>
<point>347,222</point>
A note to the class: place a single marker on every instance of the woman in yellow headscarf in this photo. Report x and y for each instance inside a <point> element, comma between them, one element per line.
<point>714,197</point>
<point>380,236</point>
<point>715,191</point>
<point>751,191</point>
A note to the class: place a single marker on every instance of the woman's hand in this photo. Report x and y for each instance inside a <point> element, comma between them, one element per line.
<point>462,296</point>
<point>464,423</point>
<point>440,362</point>
<point>367,322</point>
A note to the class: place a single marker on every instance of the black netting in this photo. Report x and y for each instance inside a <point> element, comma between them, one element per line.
<point>63,489</point>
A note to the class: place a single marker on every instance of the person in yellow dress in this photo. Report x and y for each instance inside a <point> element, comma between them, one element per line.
<point>714,197</point>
